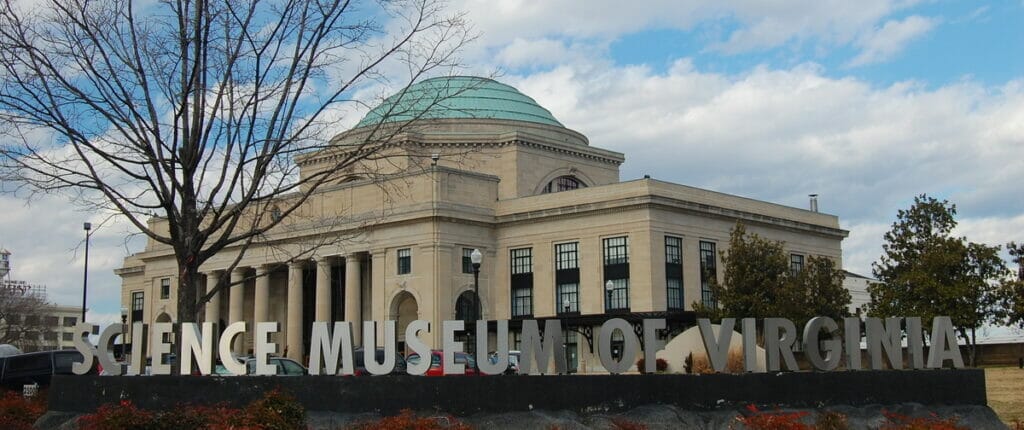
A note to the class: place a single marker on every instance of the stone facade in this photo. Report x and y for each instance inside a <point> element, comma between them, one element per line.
<point>391,242</point>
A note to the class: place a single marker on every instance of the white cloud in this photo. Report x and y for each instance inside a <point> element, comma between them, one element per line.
<point>47,243</point>
<point>890,39</point>
<point>745,25</point>
<point>538,52</point>
<point>780,134</point>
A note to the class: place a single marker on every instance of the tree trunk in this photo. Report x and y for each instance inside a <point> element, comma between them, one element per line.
<point>188,282</point>
<point>974,346</point>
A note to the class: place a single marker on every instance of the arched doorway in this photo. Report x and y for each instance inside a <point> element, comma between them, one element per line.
<point>164,318</point>
<point>467,308</point>
<point>404,310</point>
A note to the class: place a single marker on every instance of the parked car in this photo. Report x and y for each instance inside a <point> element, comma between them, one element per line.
<point>284,366</point>
<point>37,367</point>
<point>437,365</point>
<point>360,365</point>
<point>513,362</point>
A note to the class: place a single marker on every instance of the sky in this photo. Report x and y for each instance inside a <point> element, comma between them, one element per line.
<point>866,104</point>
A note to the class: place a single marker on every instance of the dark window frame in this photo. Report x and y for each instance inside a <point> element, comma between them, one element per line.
<point>138,305</point>
<point>467,260</point>
<point>796,263</point>
<point>615,255</point>
<point>567,277</point>
<point>521,268</point>
<point>674,298</point>
<point>403,261</point>
<point>563,183</point>
<point>165,288</point>
<point>708,271</point>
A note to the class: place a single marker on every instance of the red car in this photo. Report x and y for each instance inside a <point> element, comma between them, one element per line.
<point>437,366</point>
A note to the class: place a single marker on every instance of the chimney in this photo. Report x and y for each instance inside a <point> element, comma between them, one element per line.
<point>814,202</point>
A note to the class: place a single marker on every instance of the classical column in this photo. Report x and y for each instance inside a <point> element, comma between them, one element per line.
<point>353,297</point>
<point>236,301</point>
<point>261,299</point>
<point>212,307</point>
<point>295,311</point>
<point>323,289</point>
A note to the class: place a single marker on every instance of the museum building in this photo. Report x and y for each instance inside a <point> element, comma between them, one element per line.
<point>481,167</point>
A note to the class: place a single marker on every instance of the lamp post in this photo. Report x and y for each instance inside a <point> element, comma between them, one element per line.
<point>124,321</point>
<point>476,258</point>
<point>609,287</point>
<point>85,274</point>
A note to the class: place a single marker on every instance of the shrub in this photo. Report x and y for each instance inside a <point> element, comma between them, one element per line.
<point>123,415</point>
<point>275,411</point>
<point>660,365</point>
<point>778,420</point>
<point>624,424</point>
<point>831,420</point>
<point>895,421</point>
<point>17,412</point>
<point>406,420</point>
<point>700,364</point>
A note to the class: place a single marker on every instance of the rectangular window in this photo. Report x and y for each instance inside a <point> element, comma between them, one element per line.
<point>404,261</point>
<point>51,321</point>
<point>571,351</point>
<point>708,272</point>
<point>522,261</point>
<point>796,264</point>
<point>567,278</point>
<point>522,302</point>
<point>70,321</point>
<point>674,272</point>
<point>137,304</point>
<point>522,281</point>
<point>68,337</point>
<point>165,288</point>
<point>50,336</point>
<point>616,271</point>
<point>467,260</point>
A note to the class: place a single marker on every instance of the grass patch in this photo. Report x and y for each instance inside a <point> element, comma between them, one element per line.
<point>1004,386</point>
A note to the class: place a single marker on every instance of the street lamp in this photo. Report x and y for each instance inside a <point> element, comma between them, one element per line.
<point>476,258</point>
<point>85,275</point>
<point>609,287</point>
<point>124,320</point>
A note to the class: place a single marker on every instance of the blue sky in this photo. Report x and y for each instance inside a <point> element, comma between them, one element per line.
<point>969,40</point>
<point>865,103</point>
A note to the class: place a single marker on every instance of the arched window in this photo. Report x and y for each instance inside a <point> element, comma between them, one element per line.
<point>563,183</point>
<point>464,307</point>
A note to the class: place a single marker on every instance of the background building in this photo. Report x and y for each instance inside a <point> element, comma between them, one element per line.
<point>27,319</point>
<point>857,285</point>
<point>484,168</point>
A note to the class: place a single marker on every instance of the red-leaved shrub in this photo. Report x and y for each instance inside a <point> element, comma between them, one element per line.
<point>275,411</point>
<point>406,420</point>
<point>895,421</point>
<point>778,420</point>
<point>17,412</point>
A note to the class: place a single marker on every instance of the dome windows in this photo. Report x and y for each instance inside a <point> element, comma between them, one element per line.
<point>563,183</point>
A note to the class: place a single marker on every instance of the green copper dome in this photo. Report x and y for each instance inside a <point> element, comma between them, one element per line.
<point>459,97</point>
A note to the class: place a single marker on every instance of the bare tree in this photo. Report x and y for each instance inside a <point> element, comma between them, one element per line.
<point>22,314</point>
<point>193,110</point>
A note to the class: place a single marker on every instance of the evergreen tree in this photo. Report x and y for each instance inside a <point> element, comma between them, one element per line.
<point>1012,289</point>
<point>926,272</point>
<point>758,282</point>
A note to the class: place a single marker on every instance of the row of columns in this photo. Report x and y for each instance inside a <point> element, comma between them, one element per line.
<point>293,323</point>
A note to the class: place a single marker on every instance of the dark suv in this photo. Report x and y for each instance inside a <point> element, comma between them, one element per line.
<point>36,367</point>
<point>400,367</point>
